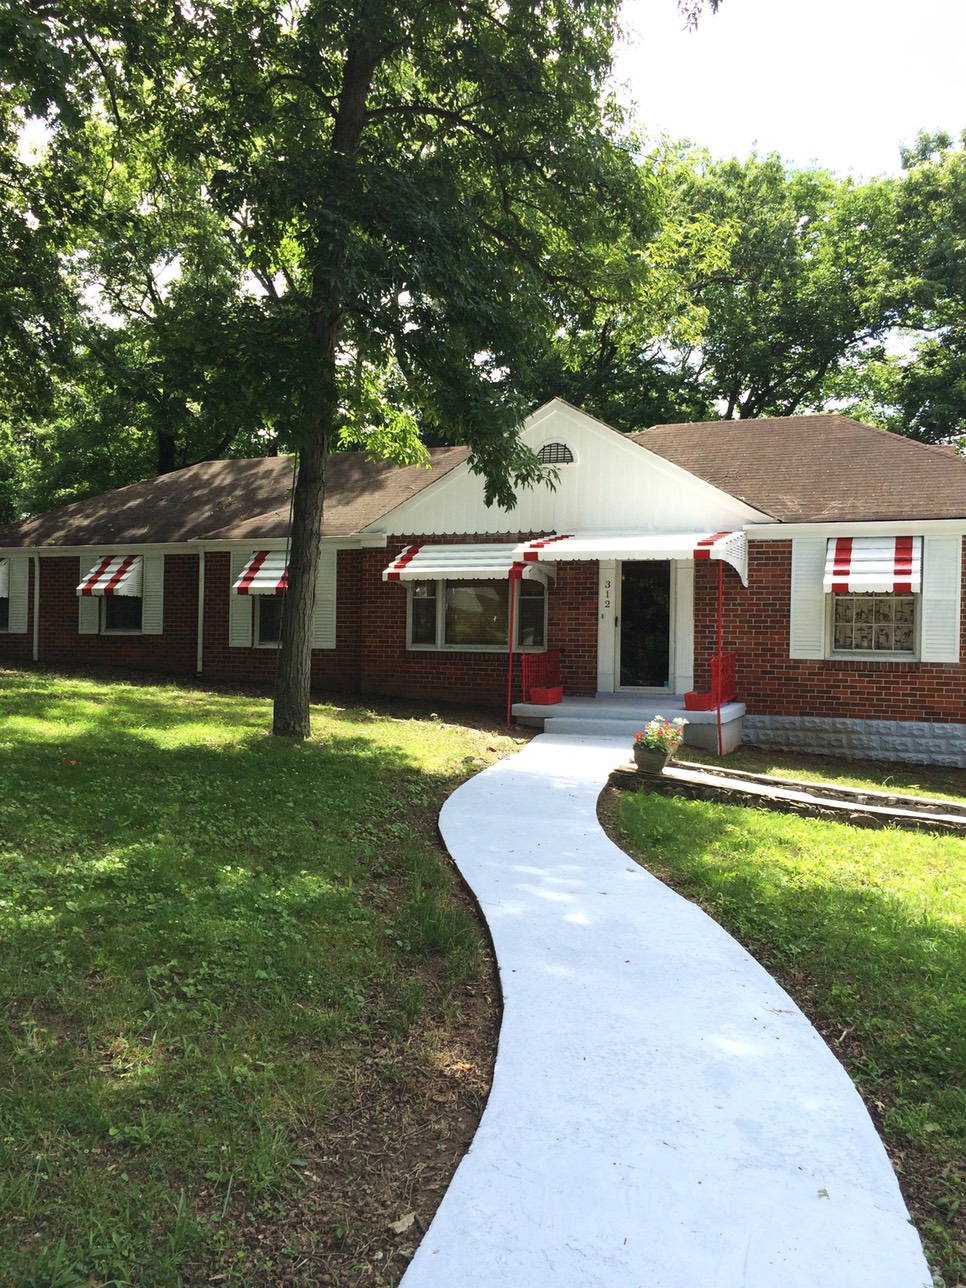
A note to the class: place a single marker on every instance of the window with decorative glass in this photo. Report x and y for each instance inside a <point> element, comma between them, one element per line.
<point>874,623</point>
<point>476,614</point>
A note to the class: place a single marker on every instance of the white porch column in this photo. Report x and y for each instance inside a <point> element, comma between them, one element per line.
<point>606,627</point>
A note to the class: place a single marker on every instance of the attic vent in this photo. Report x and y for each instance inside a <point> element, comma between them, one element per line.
<point>555,454</point>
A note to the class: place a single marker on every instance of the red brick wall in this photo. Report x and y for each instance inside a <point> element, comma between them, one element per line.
<point>572,624</point>
<point>772,683</point>
<point>450,675</point>
<point>332,669</point>
<point>172,653</point>
<point>371,654</point>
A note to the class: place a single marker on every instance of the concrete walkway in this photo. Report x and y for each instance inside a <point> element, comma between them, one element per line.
<point>662,1114</point>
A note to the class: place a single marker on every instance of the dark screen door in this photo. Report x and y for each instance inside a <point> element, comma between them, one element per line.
<point>645,624</point>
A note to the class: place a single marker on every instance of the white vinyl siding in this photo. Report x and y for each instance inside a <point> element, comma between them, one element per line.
<point>942,577</point>
<point>18,573</point>
<point>806,633</point>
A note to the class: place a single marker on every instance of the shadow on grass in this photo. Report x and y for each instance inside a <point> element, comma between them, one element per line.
<point>194,917</point>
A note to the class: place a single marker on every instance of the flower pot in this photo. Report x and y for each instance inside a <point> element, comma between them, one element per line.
<point>651,759</point>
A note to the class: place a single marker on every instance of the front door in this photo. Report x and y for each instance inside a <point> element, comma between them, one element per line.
<point>644,625</point>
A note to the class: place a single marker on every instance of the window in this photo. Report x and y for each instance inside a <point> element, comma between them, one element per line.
<point>268,620</point>
<point>4,612</point>
<point>531,615</point>
<point>908,608</point>
<point>873,586</point>
<point>259,581</point>
<point>121,595</point>
<point>475,614</point>
<point>873,623</point>
<point>555,454</point>
<point>121,613</point>
<point>422,629</point>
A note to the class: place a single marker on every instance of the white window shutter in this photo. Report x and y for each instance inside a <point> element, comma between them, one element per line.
<point>88,607</point>
<point>323,634</point>
<point>239,606</point>
<point>942,580</point>
<point>152,595</point>
<point>806,634</point>
<point>19,571</point>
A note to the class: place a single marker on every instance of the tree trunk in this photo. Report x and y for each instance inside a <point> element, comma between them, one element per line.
<point>166,452</point>
<point>293,678</point>
<point>294,675</point>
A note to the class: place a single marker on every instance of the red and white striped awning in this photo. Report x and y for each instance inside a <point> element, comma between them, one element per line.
<point>883,565</point>
<point>113,575</point>
<point>486,562</point>
<point>732,547</point>
<point>266,573</point>
<point>4,579</point>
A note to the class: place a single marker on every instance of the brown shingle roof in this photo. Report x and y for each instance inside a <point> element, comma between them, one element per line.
<point>231,500</point>
<point>794,468</point>
<point>822,469</point>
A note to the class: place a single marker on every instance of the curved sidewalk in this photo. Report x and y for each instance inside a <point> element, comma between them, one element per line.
<point>662,1114</point>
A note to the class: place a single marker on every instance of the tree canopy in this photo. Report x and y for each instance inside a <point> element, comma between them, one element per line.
<point>262,225</point>
<point>334,226</point>
<point>919,388</point>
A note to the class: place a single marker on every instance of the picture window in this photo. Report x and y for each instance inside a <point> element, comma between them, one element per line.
<point>476,614</point>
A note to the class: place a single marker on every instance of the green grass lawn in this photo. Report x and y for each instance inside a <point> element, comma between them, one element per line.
<point>205,935</point>
<point>867,930</point>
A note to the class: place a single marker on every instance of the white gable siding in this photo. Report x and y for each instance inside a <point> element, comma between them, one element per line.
<point>613,485</point>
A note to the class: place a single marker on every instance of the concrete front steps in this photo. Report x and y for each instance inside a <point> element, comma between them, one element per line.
<point>622,715</point>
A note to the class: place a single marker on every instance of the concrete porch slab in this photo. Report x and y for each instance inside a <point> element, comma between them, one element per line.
<point>618,715</point>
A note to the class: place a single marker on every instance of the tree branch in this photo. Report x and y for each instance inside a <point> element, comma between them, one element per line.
<point>115,112</point>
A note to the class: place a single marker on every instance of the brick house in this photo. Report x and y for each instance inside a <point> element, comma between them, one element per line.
<point>826,555</point>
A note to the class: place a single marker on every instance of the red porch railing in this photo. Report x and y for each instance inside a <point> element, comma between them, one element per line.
<point>541,677</point>
<point>724,685</point>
